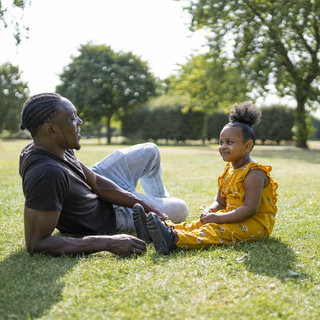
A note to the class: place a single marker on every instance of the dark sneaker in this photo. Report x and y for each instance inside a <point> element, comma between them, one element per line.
<point>140,222</point>
<point>163,237</point>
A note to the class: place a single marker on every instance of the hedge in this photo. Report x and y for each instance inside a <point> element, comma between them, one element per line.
<point>164,123</point>
<point>173,123</point>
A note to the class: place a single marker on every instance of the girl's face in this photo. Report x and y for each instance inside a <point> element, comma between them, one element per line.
<point>232,146</point>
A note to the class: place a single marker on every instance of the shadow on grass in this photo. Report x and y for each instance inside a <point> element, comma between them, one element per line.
<point>270,257</point>
<point>31,285</point>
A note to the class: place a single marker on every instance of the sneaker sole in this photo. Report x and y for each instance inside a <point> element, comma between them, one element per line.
<point>140,224</point>
<point>156,235</point>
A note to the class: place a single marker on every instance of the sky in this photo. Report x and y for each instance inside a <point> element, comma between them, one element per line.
<point>155,30</point>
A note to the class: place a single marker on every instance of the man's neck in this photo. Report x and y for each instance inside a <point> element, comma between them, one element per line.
<point>58,152</point>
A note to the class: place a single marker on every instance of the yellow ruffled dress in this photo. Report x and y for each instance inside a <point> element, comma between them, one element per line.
<point>231,184</point>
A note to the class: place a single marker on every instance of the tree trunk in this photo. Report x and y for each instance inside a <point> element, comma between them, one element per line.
<point>109,134</point>
<point>301,123</point>
<point>99,133</point>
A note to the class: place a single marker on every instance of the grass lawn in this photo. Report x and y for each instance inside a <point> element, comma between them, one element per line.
<point>277,278</point>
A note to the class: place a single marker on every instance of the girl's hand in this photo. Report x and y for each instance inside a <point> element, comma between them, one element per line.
<point>209,217</point>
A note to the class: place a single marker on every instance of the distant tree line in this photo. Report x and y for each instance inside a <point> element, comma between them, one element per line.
<point>163,117</point>
<point>180,124</point>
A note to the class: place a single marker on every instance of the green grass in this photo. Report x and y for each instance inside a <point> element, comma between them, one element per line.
<point>277,278</point>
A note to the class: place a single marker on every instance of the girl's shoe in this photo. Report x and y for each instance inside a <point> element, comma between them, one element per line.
<point>163,237</point>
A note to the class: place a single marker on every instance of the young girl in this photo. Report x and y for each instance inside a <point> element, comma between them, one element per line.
<point>245,206</point>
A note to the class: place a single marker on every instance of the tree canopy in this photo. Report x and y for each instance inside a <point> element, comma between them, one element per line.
<point>13,93</point>
<point>103,83</point>
<point>10,14</point>
<point>210,83</point>
<point>273,42</point>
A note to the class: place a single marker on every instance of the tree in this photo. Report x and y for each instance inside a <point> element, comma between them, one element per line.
<point>210,82</point>
<point>275,42</point>
<point>104,83</point>
<point>10,15</point>
<point>13,93</point>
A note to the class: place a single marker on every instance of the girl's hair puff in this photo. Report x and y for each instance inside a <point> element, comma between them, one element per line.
<point>245,116</point>
<point>246,113</point>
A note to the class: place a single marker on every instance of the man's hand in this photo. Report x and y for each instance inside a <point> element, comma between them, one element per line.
<point>126,245</point>
<point>161,215</point>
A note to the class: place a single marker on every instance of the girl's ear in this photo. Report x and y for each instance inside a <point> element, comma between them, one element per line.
<point>248,145</point>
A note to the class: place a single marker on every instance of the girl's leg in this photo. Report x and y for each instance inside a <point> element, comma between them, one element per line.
<point>198,235</point>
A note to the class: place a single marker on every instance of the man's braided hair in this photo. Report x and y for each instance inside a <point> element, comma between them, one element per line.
<point>37,110</point>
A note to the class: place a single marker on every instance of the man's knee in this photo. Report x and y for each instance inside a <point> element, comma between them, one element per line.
<point>183,212</point>
<point>152,149</point>
<point>177,210</point>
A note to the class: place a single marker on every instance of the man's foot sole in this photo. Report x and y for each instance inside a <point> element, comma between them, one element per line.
<point>140,223</point>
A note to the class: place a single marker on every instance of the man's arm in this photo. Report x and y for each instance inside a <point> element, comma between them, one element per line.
<point>39,226</point>
<point>111,192</point>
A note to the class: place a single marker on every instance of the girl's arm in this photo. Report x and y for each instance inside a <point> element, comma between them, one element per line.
<point>217,205</point>
<point>254,183</point>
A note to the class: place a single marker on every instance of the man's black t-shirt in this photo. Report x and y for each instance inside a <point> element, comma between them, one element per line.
<point>54,184</point>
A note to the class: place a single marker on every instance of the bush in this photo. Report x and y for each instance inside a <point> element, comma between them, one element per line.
<point>276,124</point>
<point>316,126</point>
<point>215,122</point>
<point>171,123</point>
<point>133,124</point>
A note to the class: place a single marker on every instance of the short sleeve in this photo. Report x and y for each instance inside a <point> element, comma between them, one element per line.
<point>45,188</point>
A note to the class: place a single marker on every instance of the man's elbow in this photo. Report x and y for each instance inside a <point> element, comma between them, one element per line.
<point>48,245</point>
<point>36,246</point>
<point>33,247</point>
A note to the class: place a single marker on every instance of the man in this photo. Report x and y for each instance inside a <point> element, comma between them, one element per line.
<point>61,192</point>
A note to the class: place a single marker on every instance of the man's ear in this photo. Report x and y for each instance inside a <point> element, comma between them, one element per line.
<point>49,129</point>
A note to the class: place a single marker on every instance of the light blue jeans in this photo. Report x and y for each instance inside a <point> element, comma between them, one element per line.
<point>141,162</point>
